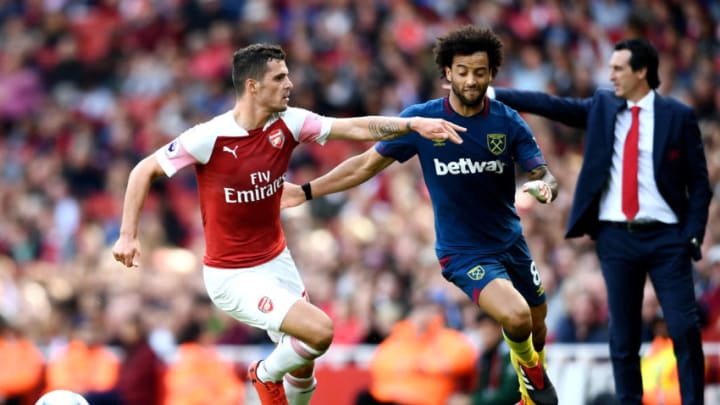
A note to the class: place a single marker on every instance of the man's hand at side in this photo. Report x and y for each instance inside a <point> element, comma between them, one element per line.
<point>127,251</point>
<point>538,189</point>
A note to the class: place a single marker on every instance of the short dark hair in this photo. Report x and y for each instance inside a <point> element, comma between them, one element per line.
<point>251,63</point>
<point>642,55</point>
<point>467,40</point>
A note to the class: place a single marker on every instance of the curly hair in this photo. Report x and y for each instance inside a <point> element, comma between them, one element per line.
<point>467,40</point>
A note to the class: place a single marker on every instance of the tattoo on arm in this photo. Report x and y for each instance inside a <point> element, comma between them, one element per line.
<point>542,173</point>
<point>537,173</point>
<point>384,130</point>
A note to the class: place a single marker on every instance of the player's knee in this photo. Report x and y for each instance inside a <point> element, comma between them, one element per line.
<point>516,319</point>
<point>322,335</point>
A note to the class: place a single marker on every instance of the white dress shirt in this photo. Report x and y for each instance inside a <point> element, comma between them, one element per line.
<point>652,205</point>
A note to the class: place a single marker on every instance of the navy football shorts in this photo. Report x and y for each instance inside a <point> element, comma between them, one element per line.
<point>472,272</point>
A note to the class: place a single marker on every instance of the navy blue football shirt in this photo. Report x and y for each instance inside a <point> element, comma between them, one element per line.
<point>471,185</point>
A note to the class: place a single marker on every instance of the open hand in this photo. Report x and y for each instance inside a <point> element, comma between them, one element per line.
<point>437,128</point>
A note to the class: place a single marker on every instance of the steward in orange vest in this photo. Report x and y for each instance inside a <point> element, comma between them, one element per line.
<point>421,362</point>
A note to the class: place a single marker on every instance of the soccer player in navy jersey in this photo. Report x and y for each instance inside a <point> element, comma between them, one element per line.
<point>240,158</point>
<point>480,244</point>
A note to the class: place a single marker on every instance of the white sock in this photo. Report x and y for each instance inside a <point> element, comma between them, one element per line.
<point>290,354</point>
<point>299,391</point>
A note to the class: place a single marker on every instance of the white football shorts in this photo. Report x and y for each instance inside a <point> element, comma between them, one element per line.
<point>259,296</point>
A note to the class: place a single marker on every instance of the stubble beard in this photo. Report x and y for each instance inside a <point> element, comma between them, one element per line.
<point>472,103</point>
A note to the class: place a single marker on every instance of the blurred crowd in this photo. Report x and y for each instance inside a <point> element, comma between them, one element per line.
<point>88,87</point>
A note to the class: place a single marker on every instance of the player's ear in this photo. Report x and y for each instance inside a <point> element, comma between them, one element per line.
<point>447,74</point>
<point>250,85</point>
<point>641,73</point>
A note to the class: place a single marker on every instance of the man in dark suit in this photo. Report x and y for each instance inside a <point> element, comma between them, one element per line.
<point>643,195</point>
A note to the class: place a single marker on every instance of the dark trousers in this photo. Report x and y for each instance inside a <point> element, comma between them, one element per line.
<point>626,258</point>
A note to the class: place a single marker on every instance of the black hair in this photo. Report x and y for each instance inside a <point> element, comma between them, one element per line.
<point>467,40</point>
<point>642,55</point>
<point>251,63</point>
<point>190,332</point>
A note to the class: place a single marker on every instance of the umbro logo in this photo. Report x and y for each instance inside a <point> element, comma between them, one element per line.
<point>232,151</point>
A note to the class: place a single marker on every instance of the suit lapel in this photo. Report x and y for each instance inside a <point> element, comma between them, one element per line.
<point>660,131</point>
<point>619,104</point>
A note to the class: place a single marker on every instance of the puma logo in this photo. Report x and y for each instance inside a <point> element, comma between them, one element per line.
<point>232,151</point>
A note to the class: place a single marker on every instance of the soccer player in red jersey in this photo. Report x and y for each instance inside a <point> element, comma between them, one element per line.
<point>240,159</point>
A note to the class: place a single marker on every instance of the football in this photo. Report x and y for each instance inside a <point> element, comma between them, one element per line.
<point>62,397</point>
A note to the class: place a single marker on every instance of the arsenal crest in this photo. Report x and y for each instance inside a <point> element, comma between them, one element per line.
<point>265,304</point>
<point>277,138</point>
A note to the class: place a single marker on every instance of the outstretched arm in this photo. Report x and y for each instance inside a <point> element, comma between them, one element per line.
<point>127,248</point>
<point>380,128</point>
<point>570,111</point>
<point>348,174</point>
<point>542,185</point>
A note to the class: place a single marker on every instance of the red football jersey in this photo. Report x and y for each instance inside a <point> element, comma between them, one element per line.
<point>240,175</point>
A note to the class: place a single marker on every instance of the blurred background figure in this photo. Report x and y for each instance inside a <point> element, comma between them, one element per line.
<point>85,364</point>
<point>585,318</point>
<point>496,382</point>
<point>140,376</point>
<point>710,299</point>
<point>198,373</point>
<point>21,366</point>
<point>421,362</point>
<point>659,368</point>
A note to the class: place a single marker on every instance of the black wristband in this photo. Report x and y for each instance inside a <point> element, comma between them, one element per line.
<point>307,190</point>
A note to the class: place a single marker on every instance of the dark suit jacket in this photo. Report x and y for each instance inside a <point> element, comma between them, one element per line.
<point>678,155</point>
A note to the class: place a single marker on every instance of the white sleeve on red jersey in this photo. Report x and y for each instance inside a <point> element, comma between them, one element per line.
<point>193,146</point>
<point>307,126</point>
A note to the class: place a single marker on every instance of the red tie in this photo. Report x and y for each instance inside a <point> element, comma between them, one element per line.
<point>630,205</point>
